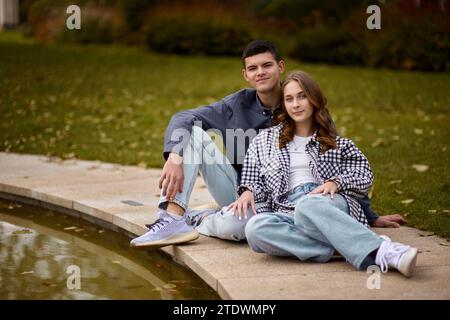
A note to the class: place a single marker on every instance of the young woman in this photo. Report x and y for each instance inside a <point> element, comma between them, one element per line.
<point>307,179</point>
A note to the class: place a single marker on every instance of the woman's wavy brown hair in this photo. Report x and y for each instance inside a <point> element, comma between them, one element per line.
<point>322,121</point>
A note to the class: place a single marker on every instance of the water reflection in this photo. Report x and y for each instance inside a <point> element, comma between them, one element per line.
<point>37,247</point>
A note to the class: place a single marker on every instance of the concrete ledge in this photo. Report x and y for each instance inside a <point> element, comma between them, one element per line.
<point>96,191</point>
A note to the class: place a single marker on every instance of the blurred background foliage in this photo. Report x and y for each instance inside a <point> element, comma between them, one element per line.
<point>414,34</point>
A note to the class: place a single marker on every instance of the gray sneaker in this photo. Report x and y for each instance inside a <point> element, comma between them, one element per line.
<point>165,231</point>
<point>195,217</point>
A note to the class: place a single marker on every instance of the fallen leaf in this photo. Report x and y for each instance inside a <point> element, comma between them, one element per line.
<point>407,201</point>
<point>48,284</point>
<point>398,192</point>
<point>169,286</point>
<point>378,142</point>
<point>426,234</point>
<point>420,167</point>
<point>79,230</point>
<point>23,231</point>
<point>394,182</point>
<point>142,165</point>
<point>28,272</point>
<point>444,244</point>
<point>71,228</point>
<point>432,211</point>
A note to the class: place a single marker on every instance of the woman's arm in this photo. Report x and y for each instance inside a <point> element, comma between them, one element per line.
<point>356,173</point>
<point>250,179</point>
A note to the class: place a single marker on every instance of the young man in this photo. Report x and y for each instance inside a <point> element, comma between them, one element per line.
<point>189,149</point>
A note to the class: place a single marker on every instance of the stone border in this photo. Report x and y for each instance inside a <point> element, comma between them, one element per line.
<point>180,258</point>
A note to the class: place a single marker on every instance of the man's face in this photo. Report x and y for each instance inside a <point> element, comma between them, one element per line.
<point>263,72</point>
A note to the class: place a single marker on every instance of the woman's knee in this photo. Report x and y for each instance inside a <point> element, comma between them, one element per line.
<point>307,205</point>
<point>254,230</point>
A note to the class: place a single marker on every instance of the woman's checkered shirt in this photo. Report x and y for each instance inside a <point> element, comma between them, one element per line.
<point>266,172</point>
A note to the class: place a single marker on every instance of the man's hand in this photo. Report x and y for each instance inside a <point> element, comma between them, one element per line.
<point>328,187</point>
<point>172,177</point>
<point>240,206</point>
<point>390,221</point>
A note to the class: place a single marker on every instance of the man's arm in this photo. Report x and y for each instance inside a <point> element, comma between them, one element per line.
<point>371,215</point>
<point>177,137</point>
<point>180,125</point>
<point>388,221</point>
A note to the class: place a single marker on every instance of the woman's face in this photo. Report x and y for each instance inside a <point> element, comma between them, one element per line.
<point>297,104</point>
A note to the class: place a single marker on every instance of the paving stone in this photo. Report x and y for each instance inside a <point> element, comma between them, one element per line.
<point>98,190</point>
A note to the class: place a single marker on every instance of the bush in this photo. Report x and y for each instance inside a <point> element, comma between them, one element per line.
<point>329,44</point>
<point>133,12</point>
<point>187,31</point>
<point>98,25</point>
<point>422,43</point>
<point>46,18</point>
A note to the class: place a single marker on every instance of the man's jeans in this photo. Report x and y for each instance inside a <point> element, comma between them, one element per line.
<point>221,179</point>
<point>319,226</point>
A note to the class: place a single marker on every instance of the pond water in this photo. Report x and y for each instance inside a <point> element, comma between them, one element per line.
<point>49,255</point>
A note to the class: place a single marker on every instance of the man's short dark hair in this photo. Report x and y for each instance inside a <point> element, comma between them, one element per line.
<point>260,46</point>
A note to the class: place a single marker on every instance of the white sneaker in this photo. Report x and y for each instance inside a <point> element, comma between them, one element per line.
<point>396,255</point>
<point>165,231</point>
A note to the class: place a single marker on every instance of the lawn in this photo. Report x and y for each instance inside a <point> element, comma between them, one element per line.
<point>113,103</point>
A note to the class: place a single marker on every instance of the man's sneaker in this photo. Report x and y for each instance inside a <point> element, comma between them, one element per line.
<point>195,217</point>
<point>396,255</point>
<point>165,231</point>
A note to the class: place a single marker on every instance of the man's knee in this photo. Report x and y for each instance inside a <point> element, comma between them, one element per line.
<point>230,227</point>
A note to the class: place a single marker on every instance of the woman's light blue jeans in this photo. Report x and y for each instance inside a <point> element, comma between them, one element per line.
<point>319,226</point>
<point>202,154</point>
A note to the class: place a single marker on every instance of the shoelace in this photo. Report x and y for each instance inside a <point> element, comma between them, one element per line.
<point>157,225</point>
<point>389,250</point>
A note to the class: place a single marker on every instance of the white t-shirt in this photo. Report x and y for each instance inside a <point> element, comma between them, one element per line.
<point>299,172</point>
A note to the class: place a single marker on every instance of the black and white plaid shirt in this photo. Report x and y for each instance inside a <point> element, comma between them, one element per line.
<point>266,172</point>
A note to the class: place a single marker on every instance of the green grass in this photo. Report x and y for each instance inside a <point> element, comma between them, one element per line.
<point>113,104</point>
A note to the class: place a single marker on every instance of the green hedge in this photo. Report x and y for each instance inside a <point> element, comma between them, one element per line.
<point>329,44</point>
<point>183,34</point>
<point>98,25</point>
<point>419,44</point>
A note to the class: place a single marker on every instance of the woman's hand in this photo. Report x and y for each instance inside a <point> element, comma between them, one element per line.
<point>328,187</point>
<point>240,206</point>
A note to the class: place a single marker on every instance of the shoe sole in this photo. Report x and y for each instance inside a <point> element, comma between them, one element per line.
<point>407,268</point>
<point>175,239</point>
